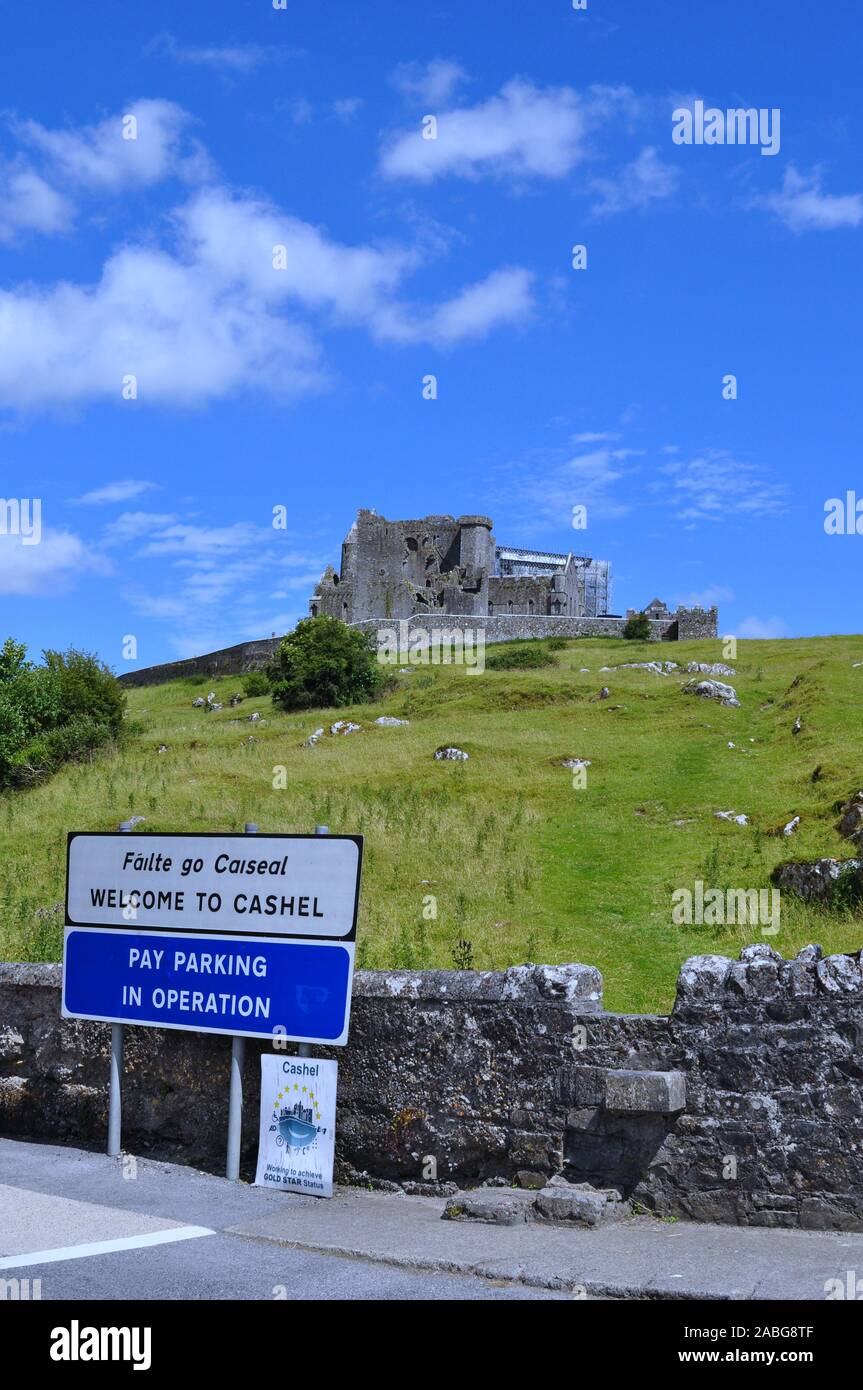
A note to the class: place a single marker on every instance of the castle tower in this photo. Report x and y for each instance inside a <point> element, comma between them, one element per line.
<point>476,544</point>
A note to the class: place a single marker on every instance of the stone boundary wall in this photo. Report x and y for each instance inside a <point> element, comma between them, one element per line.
<point>744,1106</point>
<point>686,624</point>
<point>505,627</point>
<point>230,661</point>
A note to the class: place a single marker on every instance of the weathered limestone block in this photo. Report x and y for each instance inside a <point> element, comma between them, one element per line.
<point>815,880</point>
<point>702,981</point>
<point>645,1092</point>
<point>839,974</point>
<point>581,1204</point>
<point>499,1206</point>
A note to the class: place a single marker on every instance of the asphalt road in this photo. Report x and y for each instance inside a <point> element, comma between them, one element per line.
<point>84,1226</point>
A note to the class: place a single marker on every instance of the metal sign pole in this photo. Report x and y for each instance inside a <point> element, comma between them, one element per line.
<point>115,1092</point>
<point>305,1049</point>
<point>235,1094</point>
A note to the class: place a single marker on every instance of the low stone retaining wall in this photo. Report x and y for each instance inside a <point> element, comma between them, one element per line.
<point>230,661</point>
<point>683,625</point>
<point>744,1105</point>
<point>512,627</point>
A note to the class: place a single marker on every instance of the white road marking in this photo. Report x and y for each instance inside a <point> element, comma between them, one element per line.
<point>105,1247</point>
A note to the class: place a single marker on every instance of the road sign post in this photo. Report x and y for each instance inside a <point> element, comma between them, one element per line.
<point>115,1083</point>
<point>235,1088</point>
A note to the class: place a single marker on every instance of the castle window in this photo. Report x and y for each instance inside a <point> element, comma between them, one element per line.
<point>411,542</point>
<point>314,610</point>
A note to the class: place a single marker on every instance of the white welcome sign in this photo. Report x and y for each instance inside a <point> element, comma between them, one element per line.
<point>296,1148</point>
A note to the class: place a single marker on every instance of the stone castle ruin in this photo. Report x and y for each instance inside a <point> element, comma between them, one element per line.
<point>441,567</point>
<point>442,574</point>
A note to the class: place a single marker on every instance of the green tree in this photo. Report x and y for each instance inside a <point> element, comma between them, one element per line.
<point>12,660</point>
<point>637,628</point>
<point>323,663</point>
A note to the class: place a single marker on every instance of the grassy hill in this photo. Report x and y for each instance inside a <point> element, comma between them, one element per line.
<point>521,865</point>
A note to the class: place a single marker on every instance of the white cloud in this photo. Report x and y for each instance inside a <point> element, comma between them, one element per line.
<point>203,580</point>
<point>522,132</point>
<point>184,539</point>
<point>715,485</point>
<point>304,582</point>
<point>428,84</point>
<point>301,111</point>
<point>232,58</point>
<point>59,557</point>
<point>637,184</point>
<point>218,311</point>
<point>503,297</point>
<point>705,598</point>
<point>185,338</point>
<point>594,437</point>
<point>803,207</point>
<point>130,526</point>
<point>346,108</point>
<point>125,490</point>
<point>28,203</point>
<point>546,484</point>
<point>233,240</point>
<point>762,629</point>
<point>98,157</point>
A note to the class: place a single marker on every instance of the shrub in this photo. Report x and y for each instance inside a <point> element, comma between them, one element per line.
<point>520,659</point>
<point>637,628</point>
<point>88,688</point>
<point>557,644</point>
<point>256,683</point>
<point>47,752</point>
<point>52,713</point>
<point>325,664</point>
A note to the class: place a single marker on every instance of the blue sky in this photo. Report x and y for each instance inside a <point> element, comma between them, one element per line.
<point>301,385</point>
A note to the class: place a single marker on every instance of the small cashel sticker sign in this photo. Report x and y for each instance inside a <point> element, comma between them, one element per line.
<point>213,933</point>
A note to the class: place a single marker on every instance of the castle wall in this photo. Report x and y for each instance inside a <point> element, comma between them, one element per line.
<point>497,627</point>
<point>694,623</point>
<point>394,558</point>
<point>520,626</point>
<point>230,661</point>
<point>523,594</point>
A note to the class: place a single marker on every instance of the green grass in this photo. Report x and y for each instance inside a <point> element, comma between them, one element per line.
<point>519,862</point>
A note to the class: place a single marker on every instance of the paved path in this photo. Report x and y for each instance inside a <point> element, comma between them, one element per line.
<point>93,1227</point>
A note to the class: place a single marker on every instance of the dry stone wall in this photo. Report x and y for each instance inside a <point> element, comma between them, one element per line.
<point>745,1105</point>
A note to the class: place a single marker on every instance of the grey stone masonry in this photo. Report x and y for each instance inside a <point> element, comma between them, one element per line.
<point>524,627</point>
<point>645,1092</point>
<point>229,661</point>
<point>744,1105</point>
